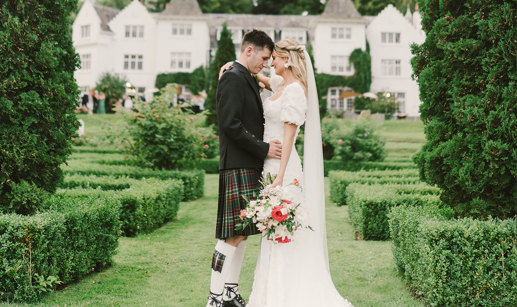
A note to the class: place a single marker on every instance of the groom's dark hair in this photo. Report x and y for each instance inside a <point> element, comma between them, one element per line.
<point>257,38</point>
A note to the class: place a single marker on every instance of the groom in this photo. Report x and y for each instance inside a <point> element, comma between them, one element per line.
<point>241,129</point>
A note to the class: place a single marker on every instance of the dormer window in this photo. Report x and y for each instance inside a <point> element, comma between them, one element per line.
<point>341,33</point>
<point>181,30</point>
<point>85,31</point>
<point>134,31</point>
<point>390,38</point>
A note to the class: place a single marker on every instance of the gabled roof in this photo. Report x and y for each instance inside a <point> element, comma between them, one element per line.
<point>340,9</point>
<point>183,8</point>
<point>106,14</point>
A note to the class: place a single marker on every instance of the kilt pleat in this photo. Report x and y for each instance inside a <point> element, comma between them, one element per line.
<point>233,185</point>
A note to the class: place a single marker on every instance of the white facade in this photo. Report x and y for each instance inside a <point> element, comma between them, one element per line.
<point>141,45</point>
<point>390,36</point>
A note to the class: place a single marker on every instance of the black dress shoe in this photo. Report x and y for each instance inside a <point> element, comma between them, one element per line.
<point>237,301</point>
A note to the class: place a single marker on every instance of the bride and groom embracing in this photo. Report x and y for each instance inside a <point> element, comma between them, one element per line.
<point>259,138</point>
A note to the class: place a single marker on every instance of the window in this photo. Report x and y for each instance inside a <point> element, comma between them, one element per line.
<point>350,104</point>
<point>86,61</point>
<point>182,30</point>
<point>133,31</point>
<point>133,62</point>
<point>340,64</point>
<point>180,60</point>
<point>85,31</point>
<point>390,37</point>
<point>341,104</point>
<point>341,33</point>
<point>401,99</point>
<point>297,35</point>
<point>333,103</point>
<point>390,67</point>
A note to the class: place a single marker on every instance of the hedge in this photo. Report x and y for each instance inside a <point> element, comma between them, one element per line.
<point>334,165</point>
<point>210,166</point>
<point>99,150</point>
<point>455,262</point>
<point>193,180</point>
<point>146,205</point>
<point>66,243</point>
<point>369,205</point>
<point>339,180</point>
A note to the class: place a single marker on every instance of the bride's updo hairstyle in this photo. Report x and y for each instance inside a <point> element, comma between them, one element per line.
<point>293,52</point>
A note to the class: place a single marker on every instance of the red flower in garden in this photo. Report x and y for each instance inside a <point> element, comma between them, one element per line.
<point>278,215</point>
<point>205,147</point>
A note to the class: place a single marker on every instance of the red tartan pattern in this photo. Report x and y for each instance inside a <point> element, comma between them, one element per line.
<point>218,261</point>
<point>233,184</point>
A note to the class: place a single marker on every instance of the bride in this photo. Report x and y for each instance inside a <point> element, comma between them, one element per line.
<point>295,274</point>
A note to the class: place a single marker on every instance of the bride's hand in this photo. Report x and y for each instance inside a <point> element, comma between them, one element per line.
<point>277,182</point>
<point>224,68</point>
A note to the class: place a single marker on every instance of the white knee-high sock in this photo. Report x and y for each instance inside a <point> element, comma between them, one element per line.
<point>232,280</point>
<point>221,263</point>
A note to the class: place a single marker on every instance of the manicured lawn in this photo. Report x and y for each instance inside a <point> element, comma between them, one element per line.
<point>171,266</point>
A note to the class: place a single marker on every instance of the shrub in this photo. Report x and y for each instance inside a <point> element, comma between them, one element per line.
<point>57,246</point>
<point>467,86</point>
<point>455,262</point>
<point>196,80</point>
<point>340,180</point>
<point>361,144</point>
<point>38,93</point>
<point>144,204</point>
<point>224,54</point>
<point>193,180</point>
<point>369,205</point>
<point>163,137</point>
<point>334,165</point>
<point>114,86</point>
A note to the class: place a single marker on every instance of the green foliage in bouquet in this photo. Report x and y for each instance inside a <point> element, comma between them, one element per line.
<point>466,70</point>
<point>360,144</point>
<point>38,95</point>
<point>164,137</point>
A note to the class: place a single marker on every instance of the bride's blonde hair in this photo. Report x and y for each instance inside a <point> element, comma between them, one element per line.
<point>294,53</point>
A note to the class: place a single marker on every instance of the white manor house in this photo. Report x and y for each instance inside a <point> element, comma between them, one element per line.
<point>140,45</point>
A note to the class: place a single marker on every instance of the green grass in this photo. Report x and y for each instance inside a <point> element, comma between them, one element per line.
<point>171,266</point>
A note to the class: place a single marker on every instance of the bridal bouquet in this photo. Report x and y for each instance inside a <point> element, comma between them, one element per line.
<point>276,212</point>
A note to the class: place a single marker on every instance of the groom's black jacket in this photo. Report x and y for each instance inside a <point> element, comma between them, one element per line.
<point>241,120</point>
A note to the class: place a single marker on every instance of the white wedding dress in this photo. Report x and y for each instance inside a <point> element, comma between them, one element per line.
<point>294,274</point>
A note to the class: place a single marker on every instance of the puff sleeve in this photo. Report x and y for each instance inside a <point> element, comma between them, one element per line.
<point>294,105</point>
<point>275,81</point>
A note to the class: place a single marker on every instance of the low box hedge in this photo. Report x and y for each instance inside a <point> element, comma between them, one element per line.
<point>145,205</point>
<point>369,205</point>
<point>340,180</point>
<point>336,165</point>
<point>210,166</point>
<point>455,262</point>
<point>92,149</point>
<point>63,244</point>
<point>193,180</point>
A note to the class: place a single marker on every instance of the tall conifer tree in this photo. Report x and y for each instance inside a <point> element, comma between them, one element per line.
<point>224,54</point>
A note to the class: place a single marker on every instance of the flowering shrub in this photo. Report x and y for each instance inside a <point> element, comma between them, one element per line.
<point>360,144</point>
<point>163,136</point>
<point>276,213</point>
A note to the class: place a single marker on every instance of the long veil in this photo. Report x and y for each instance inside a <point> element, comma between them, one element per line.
<point>314,188</point>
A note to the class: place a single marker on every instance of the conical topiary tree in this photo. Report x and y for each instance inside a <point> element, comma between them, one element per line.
<point>38,95</point>
<point>225,53</point>
<point>466,71</point>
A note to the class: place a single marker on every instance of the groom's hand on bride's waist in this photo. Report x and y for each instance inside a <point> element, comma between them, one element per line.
<point>275,150</point>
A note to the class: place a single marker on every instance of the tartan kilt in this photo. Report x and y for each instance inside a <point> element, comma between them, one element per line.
<point>233,184</point>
